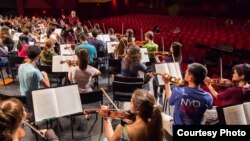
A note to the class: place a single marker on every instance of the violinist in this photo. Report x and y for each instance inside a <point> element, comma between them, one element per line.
<point>85,45</point>
<point>22,46</point>
<point>147,125</point>
<point>112,35</point>
<point>120,51</point>
<point>130,36</point>
<point>175,49</point>
<point>83,73</point>
<point>12,117</point>
<point>150,45</point>
<point>131,64</point>
<point>47,53</point>
<point>29,76</point>
<point>190,101</point>
<point>235,94</point>
<point>97,27</point>
<point>99,44</point>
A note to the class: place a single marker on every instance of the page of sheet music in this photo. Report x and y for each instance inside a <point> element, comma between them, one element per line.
<point>111,46</point>
<point>42,38</point>
<point>161,68</point>
<point>45,104</point>
<point>167,122</point>
<point>174,69</point>
<point>58,31</point>
<point>69,101</point>
<point>64,67</point>
<point>66,49</point>
<point>144,55</point>
<point>234,115</point>
<point>16,36</point>
<point>104,37</point>
<point>246,106</point>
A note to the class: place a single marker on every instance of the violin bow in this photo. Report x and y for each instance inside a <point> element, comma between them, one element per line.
<point>90,24</point>
<point>70,52</point>
<point>122,27</point>
<point>109,99</point>
<point>104,28</point>
<point>34,129</point>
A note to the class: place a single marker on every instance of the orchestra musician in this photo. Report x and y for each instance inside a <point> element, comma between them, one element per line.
<point>72,19</point>
<point>47,53</point>
<point>22,46</point>
<point>150,45</point>
<point>83,73</point>
<point>99,44</point>
<point>120,50</point>
<point>147,125</point>
<point>112,35</point>
<point>175,53</point>
<point>4,61</point>
<point>131,64</point>
<point>188,113</point>
<point>176,56</point>
<point>130,36</point>
<point>97,27</point>
<point>85,45</point>
<point>29,75</point>
<point>12,117</point>
<point>235,94</point>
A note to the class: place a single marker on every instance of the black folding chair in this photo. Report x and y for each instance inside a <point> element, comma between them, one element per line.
<point>14,62</point>
<point>87,98</point>
<point>114,67</point>
<point>122,91</point>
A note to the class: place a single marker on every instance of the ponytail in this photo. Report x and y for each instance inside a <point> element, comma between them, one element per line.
<point>155,128</point>
<point>83,58</point>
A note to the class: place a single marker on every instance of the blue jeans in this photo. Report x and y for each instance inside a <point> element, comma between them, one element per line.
<point>4,62</point>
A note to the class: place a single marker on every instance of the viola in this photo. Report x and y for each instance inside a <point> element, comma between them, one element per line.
<point>70,62</point>
<point>110,113</point>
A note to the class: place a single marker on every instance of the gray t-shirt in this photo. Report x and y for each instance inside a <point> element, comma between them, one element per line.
<point>83,77</point>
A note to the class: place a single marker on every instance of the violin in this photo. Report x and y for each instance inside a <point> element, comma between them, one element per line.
<point>174,80</point>
<point>219,82</point>
<point>159,53</point>
<point>70,62</point>
<point>110,113</point>
<point>20,132</point>
<point>140,43</point>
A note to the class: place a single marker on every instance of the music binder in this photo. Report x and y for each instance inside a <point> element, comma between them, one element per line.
<point>56,102</point>
<point>111,46</point>
<point>234,114</point>
<point>172,68</point>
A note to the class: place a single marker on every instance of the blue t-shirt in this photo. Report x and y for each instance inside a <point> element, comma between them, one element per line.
<point>29,78</point>
<point>190,104</point>
<point>90,48</point>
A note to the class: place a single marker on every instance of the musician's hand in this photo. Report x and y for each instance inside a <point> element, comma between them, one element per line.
<point>43,131</point>
<point>166,78</point>
<point>207,81</point>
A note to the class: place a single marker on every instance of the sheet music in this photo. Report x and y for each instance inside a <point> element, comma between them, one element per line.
<point>58,31</point>
<point>69,101</point>
<point>161,68</point>
<point>56,63</point>
<point>234,115</point>
<point>104,37</point>
<point>144,55</point>
<point>42,38</point>
<point>66,51</point>
<point>174,69</point>
<point>31,43</point>
<point>246,106</point>
<point>44,103</point>
<point>16,36</point>
<point>111,46</point>
<point>167,122</point>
